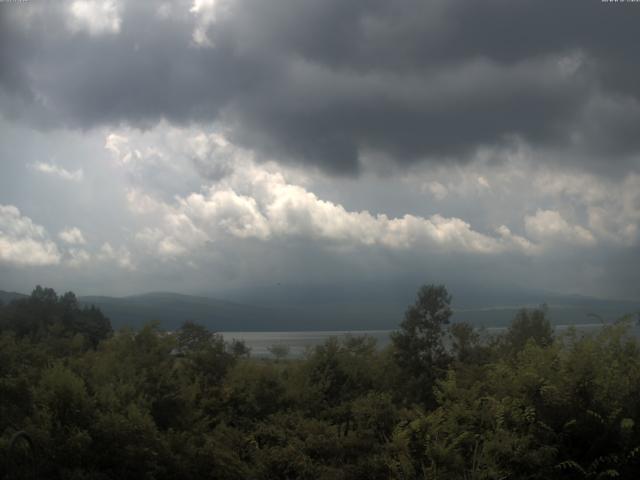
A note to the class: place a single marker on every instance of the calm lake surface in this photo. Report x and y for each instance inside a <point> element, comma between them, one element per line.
<point>299,342</point>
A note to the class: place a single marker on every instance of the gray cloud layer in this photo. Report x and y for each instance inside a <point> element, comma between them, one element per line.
<point>219,145</point>
<point>330,83</point>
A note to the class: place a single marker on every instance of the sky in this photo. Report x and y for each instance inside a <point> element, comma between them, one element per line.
<point>225,146</point>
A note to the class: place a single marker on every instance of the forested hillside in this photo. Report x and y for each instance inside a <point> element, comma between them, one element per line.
<point>80,401</point>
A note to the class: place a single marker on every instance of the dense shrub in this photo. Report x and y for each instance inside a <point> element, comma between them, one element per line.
<point>79,402</point>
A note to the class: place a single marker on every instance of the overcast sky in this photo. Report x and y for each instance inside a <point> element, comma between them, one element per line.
<point>216,146</point>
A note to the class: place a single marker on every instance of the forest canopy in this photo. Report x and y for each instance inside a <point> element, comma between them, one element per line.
<point>443,400</point>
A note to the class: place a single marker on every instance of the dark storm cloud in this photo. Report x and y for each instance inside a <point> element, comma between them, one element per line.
<point>324,82</point>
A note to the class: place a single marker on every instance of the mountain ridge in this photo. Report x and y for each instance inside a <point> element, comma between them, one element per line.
<point>171,309</point>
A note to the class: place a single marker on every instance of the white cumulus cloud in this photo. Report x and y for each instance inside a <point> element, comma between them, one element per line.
<point>23,242</point>
<point>72,236</point>
<point>550,225</point>
<point>207,13</point>
<point>177,236</point>
<point>96,17</point>
<point>121,256</point>
<point>256,203</point>
<point>77,257</point>
<point>56,171</point>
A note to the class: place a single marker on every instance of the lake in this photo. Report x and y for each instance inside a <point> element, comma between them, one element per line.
<point>299,342</point>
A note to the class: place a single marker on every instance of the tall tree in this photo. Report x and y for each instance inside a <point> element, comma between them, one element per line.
<point>529,325</point>
<point>419,349</point>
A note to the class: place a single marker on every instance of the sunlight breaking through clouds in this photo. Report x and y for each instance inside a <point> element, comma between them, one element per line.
<point>95,17</point>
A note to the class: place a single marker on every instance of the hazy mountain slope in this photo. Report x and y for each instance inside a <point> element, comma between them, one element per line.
<point>6,297</point>
<point>293,314</point>
<point>171,310</point>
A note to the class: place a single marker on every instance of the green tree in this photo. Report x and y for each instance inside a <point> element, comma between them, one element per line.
<point>529,325</point>
<point>279,351</point>
<point>45,316</point>
<point>465,342</point>
<point>419,349</point>
<point>193,337</point>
